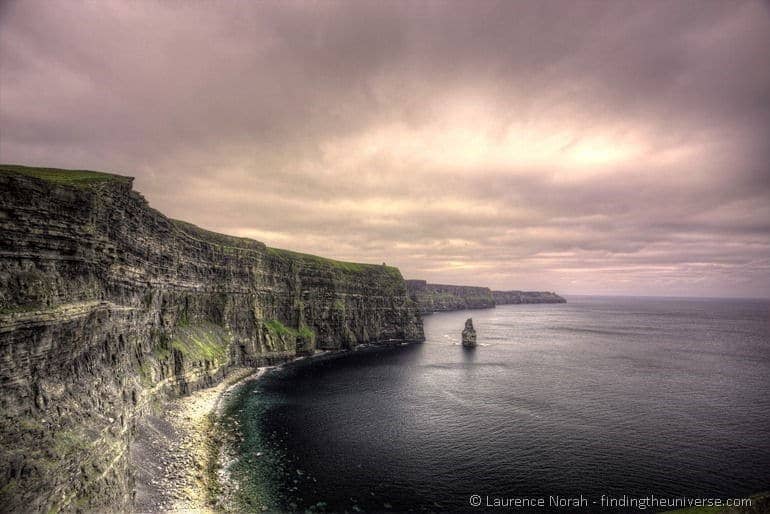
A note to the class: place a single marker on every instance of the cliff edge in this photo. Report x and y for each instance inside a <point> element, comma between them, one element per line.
<point>514,297</point>
<point>107,307</point>
<point>444,297</point>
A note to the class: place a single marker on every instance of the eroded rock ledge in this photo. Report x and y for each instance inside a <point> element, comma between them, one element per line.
<point>107,307</point>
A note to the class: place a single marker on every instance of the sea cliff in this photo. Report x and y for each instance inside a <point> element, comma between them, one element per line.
<point>107,307</point>
<point>512,297</point>
<point>446,297</point>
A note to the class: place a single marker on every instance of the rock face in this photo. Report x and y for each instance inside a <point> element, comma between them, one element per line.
<point>445,297</point>
<point>107,307</point>
<point>469,334</point>
<point>509,297</point>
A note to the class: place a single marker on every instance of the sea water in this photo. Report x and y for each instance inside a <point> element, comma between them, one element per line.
<point>598,398</point>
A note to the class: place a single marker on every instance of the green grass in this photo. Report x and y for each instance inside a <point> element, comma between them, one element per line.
<point>304,337</point>
<point>278,328</point>
<point>203,342</point>
<point>323,261</point>
<point>442,296</point>
<point>306,333</point>
<point>223,240</point>
<point>352,267</point>
<point>238,243</point>
<point>84,178</point>
<point>146,374</point>
<point>77,178</point>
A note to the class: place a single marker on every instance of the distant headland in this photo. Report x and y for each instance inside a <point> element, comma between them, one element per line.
<point>446,297</point>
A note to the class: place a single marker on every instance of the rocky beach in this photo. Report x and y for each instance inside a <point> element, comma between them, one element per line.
<point>128,329</point>
<point>177,453</point>
<point>109,309</point>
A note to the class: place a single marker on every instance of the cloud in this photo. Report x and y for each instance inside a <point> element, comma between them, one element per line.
<point>574,146</point>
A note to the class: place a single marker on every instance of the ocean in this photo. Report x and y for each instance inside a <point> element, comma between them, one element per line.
<point>599,398</point>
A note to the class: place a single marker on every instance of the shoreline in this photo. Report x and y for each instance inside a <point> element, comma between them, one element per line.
<point>181,454</point>
<point>173,448</point>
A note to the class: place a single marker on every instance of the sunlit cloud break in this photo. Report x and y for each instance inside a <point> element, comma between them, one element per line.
<point>580,147</point>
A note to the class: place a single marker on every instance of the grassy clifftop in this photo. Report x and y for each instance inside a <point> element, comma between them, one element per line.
<point>112,307</point>
<point>354,267</point>
<point>82,178</point>
<point>62,176</point>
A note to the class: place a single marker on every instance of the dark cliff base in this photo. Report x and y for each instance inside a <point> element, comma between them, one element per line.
<point>107,307</point>
<point>444,297</point>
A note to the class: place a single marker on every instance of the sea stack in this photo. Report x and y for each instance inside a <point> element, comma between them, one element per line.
<point>469,334</point>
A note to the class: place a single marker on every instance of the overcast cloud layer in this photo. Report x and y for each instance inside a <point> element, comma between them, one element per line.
<point>583,147</point>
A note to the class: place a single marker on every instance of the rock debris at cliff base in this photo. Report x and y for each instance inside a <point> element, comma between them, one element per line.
<point>108,308</point>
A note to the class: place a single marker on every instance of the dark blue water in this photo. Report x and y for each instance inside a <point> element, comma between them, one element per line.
<point>613,396</point>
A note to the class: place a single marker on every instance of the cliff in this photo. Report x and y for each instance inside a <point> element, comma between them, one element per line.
<point>444,297</point>
<point>107,307</point>
<point>508,297</point>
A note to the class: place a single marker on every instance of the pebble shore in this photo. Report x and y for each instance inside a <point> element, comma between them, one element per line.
<point>173,450</point>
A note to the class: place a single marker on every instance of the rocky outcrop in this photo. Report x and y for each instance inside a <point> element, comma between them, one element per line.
<point>469,334</point>
<point>512,297</point>
<point>107,307</point>
<point>444,297</point>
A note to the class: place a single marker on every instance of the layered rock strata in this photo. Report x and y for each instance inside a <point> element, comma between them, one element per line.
<point>107,307</point>
<point>513,297</point>
<point>469,334</point>
<point>445,297</point>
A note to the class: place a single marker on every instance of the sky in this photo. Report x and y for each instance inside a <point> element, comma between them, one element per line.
<point>580,147</point>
